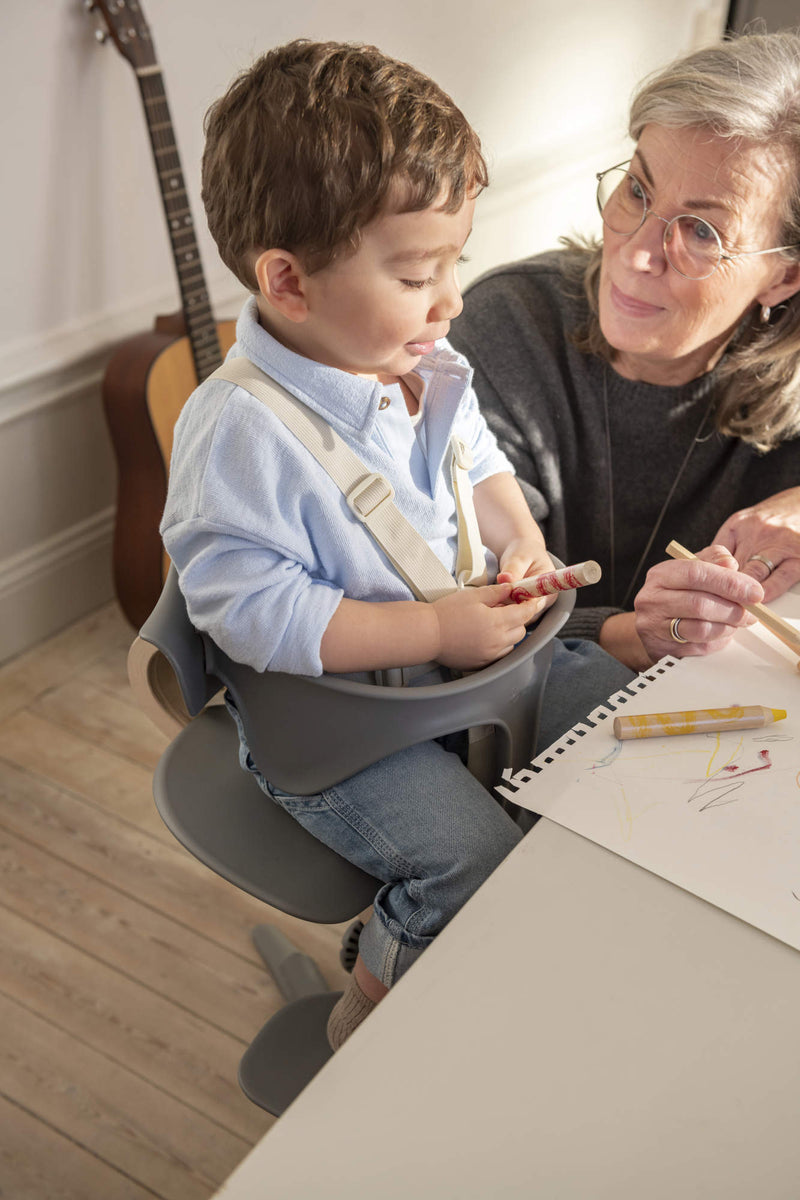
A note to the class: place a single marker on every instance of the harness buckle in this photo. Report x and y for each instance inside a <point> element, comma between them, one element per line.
<point>368,494</point>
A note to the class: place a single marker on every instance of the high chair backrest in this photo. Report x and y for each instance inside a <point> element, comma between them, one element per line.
<point>309,733</point>
<point>167,663</point>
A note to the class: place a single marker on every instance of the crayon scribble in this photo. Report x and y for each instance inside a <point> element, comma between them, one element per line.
<point>608,759</point>
<point>719,785</point>
<point>723,769</point>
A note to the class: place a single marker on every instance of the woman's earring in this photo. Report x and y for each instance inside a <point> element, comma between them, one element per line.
<point>765,314</point>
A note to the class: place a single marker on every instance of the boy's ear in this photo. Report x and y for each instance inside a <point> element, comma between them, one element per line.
<point>281,281</point>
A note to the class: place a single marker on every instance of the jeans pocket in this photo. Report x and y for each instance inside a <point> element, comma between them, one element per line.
<point>291,802</point>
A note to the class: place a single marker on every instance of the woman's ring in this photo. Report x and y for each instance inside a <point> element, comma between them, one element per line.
<point>673,631</point>
<point>763,559</point>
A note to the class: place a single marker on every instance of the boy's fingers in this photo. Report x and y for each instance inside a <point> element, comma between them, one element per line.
<point>494,593</point>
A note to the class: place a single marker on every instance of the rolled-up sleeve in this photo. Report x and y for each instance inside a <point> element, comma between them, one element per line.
<point>240,562</point>
<point>262,608</point>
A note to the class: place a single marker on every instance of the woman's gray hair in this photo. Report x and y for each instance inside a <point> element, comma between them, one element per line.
<point>746,89</point>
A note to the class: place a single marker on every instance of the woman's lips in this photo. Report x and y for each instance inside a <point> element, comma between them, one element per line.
<point>631,306</point>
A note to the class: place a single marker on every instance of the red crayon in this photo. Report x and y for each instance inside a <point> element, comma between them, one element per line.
<point>561,580</point>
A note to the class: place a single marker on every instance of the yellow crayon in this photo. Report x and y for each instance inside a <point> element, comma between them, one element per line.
<point>701,720</point>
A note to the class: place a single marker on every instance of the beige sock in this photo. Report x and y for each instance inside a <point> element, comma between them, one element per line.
<point>348,1013</point>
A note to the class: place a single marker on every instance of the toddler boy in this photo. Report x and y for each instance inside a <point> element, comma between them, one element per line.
<point>339,186</point>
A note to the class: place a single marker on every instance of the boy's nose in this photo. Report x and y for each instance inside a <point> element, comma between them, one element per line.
<point>447,303</point>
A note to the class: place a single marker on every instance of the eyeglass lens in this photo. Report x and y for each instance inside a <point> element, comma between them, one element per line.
<point>691,245</point>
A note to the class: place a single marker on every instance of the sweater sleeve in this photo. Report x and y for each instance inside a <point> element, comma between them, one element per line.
<point>587,623</point>
<point>534,392</point>
<point>476,330</point>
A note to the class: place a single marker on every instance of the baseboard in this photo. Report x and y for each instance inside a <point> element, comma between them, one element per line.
<point>55,582</point>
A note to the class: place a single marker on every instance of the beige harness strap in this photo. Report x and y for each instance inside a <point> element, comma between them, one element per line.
<point>370,496</point>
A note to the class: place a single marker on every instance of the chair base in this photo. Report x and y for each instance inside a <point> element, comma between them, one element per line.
<point>287,1053</point>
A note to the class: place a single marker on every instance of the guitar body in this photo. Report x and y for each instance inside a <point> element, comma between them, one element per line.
<point>146,384</point>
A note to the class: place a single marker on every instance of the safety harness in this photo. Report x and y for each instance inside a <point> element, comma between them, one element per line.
<point>369,496</point>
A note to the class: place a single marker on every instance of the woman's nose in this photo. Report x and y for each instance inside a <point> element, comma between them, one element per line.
<point>645,248</point>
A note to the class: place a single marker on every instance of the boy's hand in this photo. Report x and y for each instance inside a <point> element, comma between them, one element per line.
<point>479,625</point>
<point>521,560</point>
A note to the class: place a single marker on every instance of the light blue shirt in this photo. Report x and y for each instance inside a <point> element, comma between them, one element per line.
<point>263,541</point>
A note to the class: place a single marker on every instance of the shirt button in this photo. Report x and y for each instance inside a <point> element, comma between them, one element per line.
<point>385,402</point>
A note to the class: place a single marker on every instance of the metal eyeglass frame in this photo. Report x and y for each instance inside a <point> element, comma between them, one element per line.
<point>723,255</point>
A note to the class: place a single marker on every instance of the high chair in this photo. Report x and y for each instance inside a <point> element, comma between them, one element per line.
<point>306,734</point>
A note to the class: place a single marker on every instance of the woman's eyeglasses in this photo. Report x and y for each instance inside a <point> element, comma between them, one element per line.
<point>692,247</point>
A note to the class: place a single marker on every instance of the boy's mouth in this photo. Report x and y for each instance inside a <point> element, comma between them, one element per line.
<point>420,348</point>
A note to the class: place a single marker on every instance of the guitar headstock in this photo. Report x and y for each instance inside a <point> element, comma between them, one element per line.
<point>125,24</point>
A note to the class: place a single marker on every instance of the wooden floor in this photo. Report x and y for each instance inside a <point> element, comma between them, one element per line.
<point>129,987</point>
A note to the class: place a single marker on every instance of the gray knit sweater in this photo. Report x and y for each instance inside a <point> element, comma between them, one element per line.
<point>544,401</point>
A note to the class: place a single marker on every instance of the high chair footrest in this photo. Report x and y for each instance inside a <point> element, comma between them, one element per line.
<point>287,1052</point>
<point>295,973</point>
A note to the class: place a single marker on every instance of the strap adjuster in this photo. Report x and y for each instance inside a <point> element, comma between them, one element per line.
<point>368,494</point>
<point>462,455</point>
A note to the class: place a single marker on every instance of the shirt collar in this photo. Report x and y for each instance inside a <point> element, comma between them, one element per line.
<point>348,403</point>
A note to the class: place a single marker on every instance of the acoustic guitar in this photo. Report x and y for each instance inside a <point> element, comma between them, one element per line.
<point>150,376</point>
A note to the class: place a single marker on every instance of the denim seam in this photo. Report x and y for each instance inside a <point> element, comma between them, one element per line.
<point>379,844</point>
<point>389,964</point>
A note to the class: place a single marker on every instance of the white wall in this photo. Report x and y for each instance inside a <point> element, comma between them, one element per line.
<point>86,256</point>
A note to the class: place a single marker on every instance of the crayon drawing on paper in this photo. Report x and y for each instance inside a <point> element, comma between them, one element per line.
<point>716,813</point>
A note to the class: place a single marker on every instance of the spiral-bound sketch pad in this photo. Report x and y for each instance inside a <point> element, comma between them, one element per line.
<point>718,814</point>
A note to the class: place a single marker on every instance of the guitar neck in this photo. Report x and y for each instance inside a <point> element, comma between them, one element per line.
<point>200,324</point>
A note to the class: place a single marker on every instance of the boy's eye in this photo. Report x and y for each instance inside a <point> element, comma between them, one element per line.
<point>421,283</point>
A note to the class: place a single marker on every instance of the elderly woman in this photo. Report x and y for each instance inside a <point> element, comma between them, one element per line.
<point>648,388</point>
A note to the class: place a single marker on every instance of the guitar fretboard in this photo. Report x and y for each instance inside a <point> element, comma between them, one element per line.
<point>200,324</point>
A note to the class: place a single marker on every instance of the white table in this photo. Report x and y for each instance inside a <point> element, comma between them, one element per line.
<point>583,1029</point>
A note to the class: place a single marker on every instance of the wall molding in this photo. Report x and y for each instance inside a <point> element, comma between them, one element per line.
<point>54,582</point>
<point>29,566</point>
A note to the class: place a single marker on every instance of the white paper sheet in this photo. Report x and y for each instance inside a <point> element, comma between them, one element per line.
<point>718,814</point>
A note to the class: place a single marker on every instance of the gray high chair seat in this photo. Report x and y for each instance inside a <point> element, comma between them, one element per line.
<point>305,734</point>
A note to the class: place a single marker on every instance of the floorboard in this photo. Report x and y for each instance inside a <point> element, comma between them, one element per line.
<point>130,985</point>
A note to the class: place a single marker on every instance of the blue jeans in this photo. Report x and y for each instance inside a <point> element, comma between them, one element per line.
<point>581,677</point>
<point>421,823</point>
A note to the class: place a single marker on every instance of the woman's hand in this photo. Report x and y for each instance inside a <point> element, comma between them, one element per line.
<point>706,595</point>
<point>771,530</point>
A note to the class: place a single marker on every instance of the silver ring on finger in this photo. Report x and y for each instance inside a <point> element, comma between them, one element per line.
<point>673,631</point>
<point>762,558</point>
